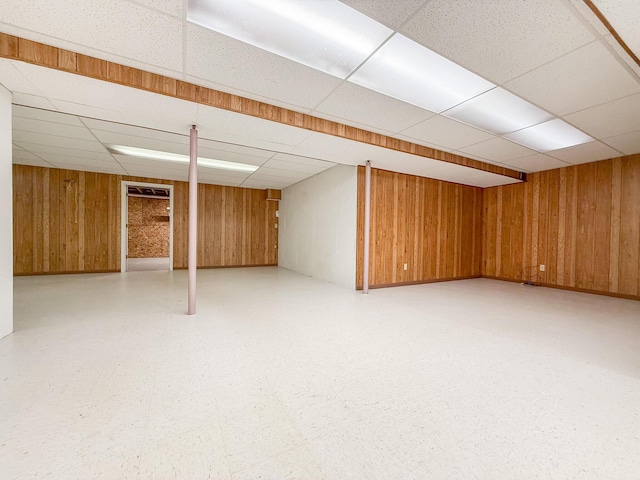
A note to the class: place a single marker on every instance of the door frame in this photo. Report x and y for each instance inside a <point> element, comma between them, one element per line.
<point>124,218</point>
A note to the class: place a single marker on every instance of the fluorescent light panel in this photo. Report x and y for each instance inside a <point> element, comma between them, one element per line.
<point>328,35</point>
<point>179,158</point>
<point>548,136</point>
<point>410,72</point>
<point>498,111</point>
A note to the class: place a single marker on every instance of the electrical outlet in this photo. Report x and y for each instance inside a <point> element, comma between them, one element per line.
<point>405,266</point>
<point>541,268</point>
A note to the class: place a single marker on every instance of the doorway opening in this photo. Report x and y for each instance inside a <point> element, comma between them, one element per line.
<point>147,227</point>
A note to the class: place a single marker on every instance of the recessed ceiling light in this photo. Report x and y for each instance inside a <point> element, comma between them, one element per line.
<point>498,111</point>
<point>548,136</point>
<point>410,72</point>
<point>329,35</point>
<point>178,158</point>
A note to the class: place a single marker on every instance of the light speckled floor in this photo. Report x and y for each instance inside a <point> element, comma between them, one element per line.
<point>280,376</point>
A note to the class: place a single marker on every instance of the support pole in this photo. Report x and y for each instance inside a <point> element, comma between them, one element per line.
<point>367,217</point>
<point>193,217</point>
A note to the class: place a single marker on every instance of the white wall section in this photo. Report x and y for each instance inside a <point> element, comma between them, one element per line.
<point>6,216</point>
<point>317,226</point>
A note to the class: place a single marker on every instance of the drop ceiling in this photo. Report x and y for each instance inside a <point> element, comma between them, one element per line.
<point>556,54</point>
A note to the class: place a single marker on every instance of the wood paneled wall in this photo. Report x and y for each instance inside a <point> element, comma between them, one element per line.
<point>67,221</point>
<point>434,227</point>
<point>582,223</point>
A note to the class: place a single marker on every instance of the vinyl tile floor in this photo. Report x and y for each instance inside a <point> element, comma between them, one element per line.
<point>280,376</point>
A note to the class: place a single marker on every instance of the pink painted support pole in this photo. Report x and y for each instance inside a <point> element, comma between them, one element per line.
<point>367,217</point>
<point>193,218</point>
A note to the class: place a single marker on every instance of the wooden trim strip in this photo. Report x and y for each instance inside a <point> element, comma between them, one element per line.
<point>567,288</point>
<point>419,282</point>
<point>612,30</point>
<point>21,49</point>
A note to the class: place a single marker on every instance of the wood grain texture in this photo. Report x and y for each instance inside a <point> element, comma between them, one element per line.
<point>68,221</point>
<point>433,227</point>
<point>60,59</point>
<point>581,222</point>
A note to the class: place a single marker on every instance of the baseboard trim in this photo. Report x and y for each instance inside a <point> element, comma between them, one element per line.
<point>417,282</point>
<point>71,272</point>
<point>230,266</point>
<point>567,288</point>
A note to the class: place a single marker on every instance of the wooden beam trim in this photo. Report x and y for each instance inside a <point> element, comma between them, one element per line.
<point>28,51</point>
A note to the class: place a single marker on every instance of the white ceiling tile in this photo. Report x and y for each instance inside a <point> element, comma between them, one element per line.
<point>22,138</point>
<point>111,138</point>
<point>64,151</point>
<point>230,156</point>
<point>230,127</point>
<point>335,149</point>
<point>22,157</point>
<point>245,68</point>
<point>50,128</point>
<point>296,167</point>
<point>34,101</point>
<point>498,39</point>
<point>440,130</point>
<point>280,172</point>
<point>571,83</point>
<point>611,119</point>
<point>391,14</point>
<point>212,145</point>
<point>364,108</point>
<point>584,153</point>
<point>91,98</point>
<point>497,150</point>
<point>257,176</point>
<point>45,115</point>
<point>536,163</point>
<point>121,128</point>
<point>123,29</point>
<point>303,163</point>
<point>627,143</point>
<point>624,17</point>
<point>14,80</point>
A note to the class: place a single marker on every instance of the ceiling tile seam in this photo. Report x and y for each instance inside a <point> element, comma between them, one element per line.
<point>572,51</point>
<point>599,105</point>
<point>464,161</point>
<point>103,145</point>
<point>22,75</point>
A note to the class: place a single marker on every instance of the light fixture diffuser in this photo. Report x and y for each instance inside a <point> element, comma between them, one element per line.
<point>328,35</point>
<point>498,111</point>
<point>410,72</point>
<point>179,158</point>
<point>548,136</point>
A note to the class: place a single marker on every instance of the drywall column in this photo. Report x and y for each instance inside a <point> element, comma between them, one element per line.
<point>317,226</point>
<point>367,218</point>
<point>193,218</point>
<point>6,216</point>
